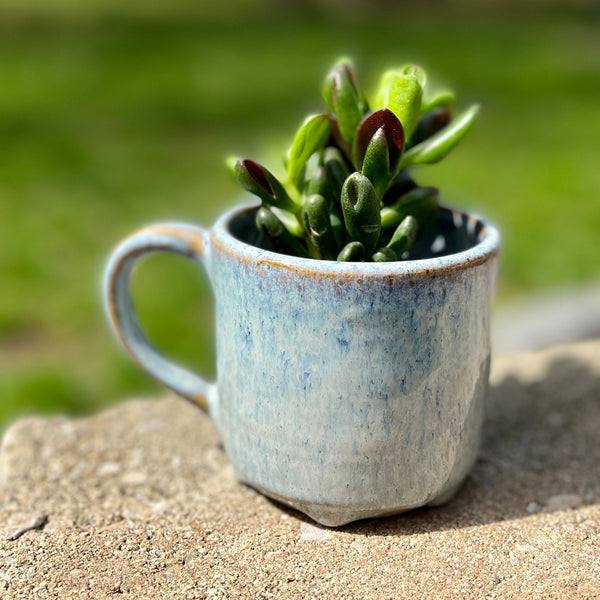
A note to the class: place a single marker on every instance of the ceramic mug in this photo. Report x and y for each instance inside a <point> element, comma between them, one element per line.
<point>345,390</point>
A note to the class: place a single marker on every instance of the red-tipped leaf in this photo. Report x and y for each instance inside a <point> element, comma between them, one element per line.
<point>394,133</point>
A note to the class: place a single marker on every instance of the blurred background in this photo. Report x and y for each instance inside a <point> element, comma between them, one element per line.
<point>114,115</point>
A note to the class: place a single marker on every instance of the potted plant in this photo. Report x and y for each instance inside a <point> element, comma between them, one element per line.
<point>347,193</point>
<point>352,311</point>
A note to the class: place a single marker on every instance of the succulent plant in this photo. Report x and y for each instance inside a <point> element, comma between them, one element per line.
<point>347,194</point>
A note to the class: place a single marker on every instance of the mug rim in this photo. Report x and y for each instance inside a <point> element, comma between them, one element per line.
<point>485,249</point>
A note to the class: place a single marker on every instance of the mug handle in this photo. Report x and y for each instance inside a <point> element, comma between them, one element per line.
<point>182,239</point>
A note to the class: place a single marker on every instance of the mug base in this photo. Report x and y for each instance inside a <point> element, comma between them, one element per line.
<point>338,515</point>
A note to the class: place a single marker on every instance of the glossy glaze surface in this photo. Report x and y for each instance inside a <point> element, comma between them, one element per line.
<point>348,390</point>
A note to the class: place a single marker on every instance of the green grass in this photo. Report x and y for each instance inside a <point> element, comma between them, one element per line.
<point>108,124</point>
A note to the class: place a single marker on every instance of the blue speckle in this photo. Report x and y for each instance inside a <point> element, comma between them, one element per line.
<point>305,380</point>
<point>343,344</point>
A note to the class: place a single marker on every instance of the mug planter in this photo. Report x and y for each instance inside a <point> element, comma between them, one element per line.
<point>345,390</point>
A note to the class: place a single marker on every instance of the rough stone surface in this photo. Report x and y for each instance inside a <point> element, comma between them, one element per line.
<point>139,502</point>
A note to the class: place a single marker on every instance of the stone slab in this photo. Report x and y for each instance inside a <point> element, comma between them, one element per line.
<point>139,502</point>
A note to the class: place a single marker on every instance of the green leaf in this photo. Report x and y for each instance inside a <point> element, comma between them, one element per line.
<point>420,203</point>
<point>376,165</point>
<point>360,206</point>
<point>392,143</point>
<point>429,124</point>
<point>290,221</point>
<point>443,99</point>
<point>311,137</point>
<point>385,255</point>
<point>352,252</point>
<point>439,145</point>
<point>261,182</point>
<point>401,184</point>
<point>338,228</point>
<point>270,226</point>
<point>403,238</point>
<point>317,225</point>
<point>337,170</point>
<point>345,99</point>
<point>402,92</point>
<point>319,183</point>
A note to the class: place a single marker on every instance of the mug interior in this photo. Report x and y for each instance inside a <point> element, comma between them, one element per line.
<point>453,232</point>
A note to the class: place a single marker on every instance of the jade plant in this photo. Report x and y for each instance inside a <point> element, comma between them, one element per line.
<point>347,193</point>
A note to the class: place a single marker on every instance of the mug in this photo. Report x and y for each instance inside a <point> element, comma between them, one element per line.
<point>344,390</point>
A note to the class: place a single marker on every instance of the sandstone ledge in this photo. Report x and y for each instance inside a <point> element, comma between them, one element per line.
<point>139,502</point>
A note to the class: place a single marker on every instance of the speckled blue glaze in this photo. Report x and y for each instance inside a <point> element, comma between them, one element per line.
<point>346,390</point>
